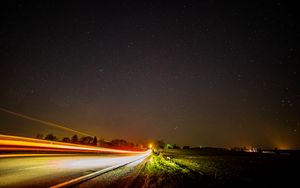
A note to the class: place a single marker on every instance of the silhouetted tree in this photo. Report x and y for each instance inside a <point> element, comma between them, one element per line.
<point>119,142</point>
<point>66,139</point>
<point>161,144</point>
<point>186,147</point>
<point>50,137</point>
<point>86,140</point>
<point>39,136</point>
<point>102,142</point>
<point>95,141</point>
<point>74,139</point>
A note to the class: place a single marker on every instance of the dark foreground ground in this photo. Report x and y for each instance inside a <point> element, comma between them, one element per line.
<point>204,168</point>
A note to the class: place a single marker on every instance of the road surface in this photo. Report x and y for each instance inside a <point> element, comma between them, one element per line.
<point>50,170</point>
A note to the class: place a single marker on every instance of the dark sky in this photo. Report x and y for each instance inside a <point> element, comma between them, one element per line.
<point>210,73</point>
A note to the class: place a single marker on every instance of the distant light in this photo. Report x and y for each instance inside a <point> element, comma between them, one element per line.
<point>150,146</point>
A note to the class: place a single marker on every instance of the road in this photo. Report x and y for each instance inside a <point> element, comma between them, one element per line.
<point>49,170</point>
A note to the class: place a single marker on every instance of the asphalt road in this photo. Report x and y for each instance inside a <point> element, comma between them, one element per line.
<point>129,176</point>
<point>46,171</point>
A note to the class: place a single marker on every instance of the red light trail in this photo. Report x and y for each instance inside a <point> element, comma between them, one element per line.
<point>16,143</point>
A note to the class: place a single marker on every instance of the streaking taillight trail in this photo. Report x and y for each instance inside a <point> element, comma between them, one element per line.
<point>16,143</point>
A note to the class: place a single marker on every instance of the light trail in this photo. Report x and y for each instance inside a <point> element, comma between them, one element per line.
<point>16,143</point>
<point>34,155</point>
<point>31,170</point>
<point>43,122</point>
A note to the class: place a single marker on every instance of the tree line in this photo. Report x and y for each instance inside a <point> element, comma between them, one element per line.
<point>86,140</point>
<point>94,141</point>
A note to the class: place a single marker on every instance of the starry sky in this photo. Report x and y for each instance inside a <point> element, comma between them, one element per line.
<point>209,73</point>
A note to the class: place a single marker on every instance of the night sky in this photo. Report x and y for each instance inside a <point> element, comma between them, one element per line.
<point>209,73</point>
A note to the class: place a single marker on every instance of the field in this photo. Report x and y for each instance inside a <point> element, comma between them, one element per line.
<point>206,168</point>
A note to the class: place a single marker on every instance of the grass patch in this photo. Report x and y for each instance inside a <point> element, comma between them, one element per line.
<point>160,165</point>
<point>164,171</point>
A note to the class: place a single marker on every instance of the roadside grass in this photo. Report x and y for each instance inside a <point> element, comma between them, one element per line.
<point>159,165</point>
<point>163,171</point>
